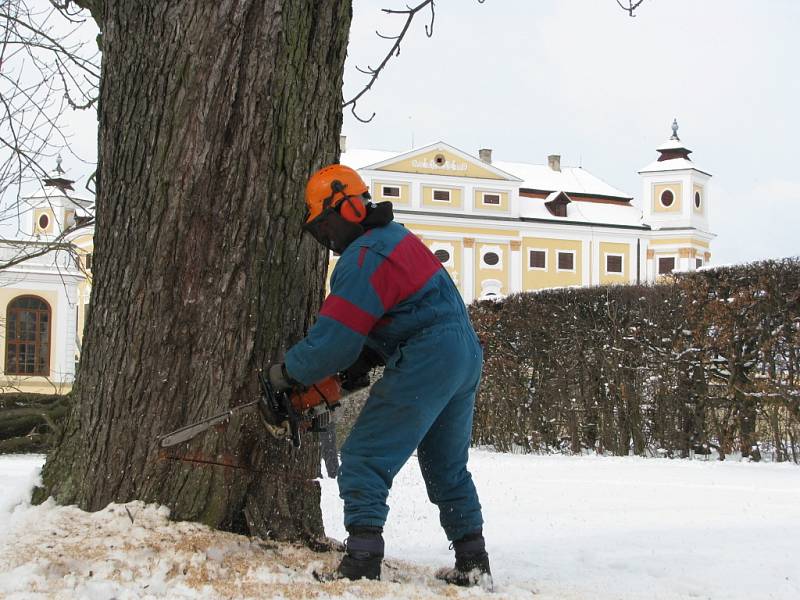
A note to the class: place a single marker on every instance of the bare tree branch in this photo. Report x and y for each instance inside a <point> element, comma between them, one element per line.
<point>29,250</point>
<point>410,13</point>
<point>49,66</point>
<point>632,6</point>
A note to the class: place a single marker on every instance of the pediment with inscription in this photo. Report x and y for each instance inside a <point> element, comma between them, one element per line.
<point>443,160</point>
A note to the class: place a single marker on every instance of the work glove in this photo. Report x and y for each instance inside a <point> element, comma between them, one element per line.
<point>356,376</point>
<point>279,378</point>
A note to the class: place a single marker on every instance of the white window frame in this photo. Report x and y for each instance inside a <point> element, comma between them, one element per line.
<point>497,250</point>
<point>39,226</point>
<point>530,250</point>
<point>449,195</point>
<point>621,262</point>
<point>574,261</point>
<point>658,263</point>
<point>399,189</point>
<point>674,198</point>
<point>701,265</point>
<point>499,199</point>
<point>450,262</point>
<point>694,201</point>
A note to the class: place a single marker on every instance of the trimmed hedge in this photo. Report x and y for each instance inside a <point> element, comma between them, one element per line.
<point>707,362</point>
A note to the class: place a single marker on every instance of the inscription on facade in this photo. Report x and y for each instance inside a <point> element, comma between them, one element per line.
<point>448,165</point>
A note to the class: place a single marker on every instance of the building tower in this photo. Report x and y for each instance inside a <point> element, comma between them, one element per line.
<point>675,204</point>
<point>55,209</point>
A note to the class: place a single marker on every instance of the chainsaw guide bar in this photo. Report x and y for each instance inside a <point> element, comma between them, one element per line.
<point>294,411</point>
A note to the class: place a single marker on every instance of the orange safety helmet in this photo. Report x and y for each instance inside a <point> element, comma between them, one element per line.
<point>336,187</point>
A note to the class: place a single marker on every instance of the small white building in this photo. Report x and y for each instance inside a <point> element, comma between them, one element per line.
<point>44,287</point>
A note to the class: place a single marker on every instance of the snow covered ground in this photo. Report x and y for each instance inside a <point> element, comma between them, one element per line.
<point>556,527</point>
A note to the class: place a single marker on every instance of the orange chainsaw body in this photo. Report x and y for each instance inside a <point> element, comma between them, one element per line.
<point>328,391</point>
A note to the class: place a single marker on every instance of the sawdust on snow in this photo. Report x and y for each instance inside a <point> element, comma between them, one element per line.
<point>134,550</point>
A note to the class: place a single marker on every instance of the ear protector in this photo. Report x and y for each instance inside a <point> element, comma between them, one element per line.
<point>351,208</point>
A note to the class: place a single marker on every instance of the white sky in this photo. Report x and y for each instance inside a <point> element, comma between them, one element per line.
<point>580,78</point>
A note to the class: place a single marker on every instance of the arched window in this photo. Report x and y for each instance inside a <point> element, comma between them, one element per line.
<point>28,337</point>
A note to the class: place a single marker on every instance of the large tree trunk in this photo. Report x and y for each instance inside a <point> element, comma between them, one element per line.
<point>212,116</point>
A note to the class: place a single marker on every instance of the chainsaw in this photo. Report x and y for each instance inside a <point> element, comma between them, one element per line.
<point>284,414</point>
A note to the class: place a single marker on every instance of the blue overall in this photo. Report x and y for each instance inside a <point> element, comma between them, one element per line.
<point>390,292</point>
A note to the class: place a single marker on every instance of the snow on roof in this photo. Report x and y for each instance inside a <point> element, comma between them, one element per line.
<point>568,179</point>
<point>552,196</point>
<point>358,158</point>
<point>542,177</point>
<point>672,144</point>
<point>673,164</point>
<point>537,177</point>
<point>583,212</point>
<point>51,194</point>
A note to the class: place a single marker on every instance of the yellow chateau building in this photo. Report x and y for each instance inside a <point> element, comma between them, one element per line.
<point>498,228</point>
<point>505,227</point>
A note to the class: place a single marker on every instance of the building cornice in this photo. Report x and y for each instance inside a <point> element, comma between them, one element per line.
<point>691,231</point>
<point>576,195</point>
<point>675,170</point>
<point>554,221</point>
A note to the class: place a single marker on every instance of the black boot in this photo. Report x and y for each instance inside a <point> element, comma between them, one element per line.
<point>472,563</point>
<point>363,554</point>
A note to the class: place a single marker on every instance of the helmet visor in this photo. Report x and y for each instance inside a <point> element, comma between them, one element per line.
<point>318,228</point>
<point>332,231</point>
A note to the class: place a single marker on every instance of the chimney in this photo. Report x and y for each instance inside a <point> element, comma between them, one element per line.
<point>342,144</point>
<point>554,162</point>
<point>485,154</point>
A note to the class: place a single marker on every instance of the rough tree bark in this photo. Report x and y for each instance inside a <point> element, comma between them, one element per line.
<point>212,115</point>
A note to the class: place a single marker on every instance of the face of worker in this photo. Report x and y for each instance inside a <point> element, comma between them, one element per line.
<point>334,232</point>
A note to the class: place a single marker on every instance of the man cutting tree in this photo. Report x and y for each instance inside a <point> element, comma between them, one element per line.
<point>392,303</point>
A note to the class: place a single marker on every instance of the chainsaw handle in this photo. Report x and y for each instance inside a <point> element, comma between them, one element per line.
<point>276,405</point>
<point>328,392</point>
